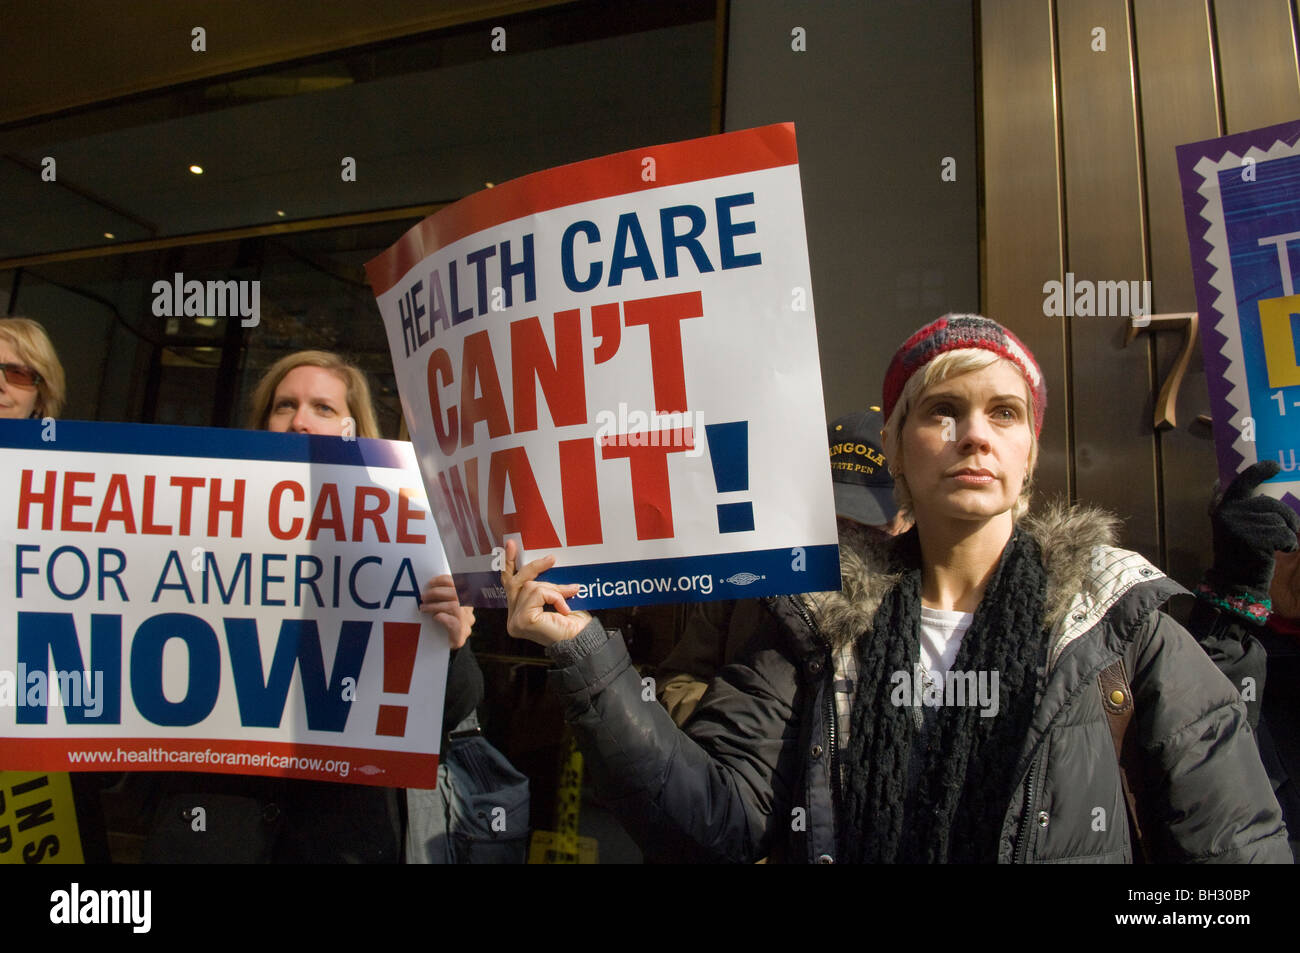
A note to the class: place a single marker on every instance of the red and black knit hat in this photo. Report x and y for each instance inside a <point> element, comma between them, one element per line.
<point>955,332</point>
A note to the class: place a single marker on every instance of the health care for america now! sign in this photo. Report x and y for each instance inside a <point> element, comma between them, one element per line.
<point>616,362</point>
<point>186,599</point>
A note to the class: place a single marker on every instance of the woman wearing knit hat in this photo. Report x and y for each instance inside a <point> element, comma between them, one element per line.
<point>963,698</point>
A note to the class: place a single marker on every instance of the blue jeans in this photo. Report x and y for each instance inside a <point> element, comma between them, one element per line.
<point>477,813</point>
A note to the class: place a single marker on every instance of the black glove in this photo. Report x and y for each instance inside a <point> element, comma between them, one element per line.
<point>1248,530</point>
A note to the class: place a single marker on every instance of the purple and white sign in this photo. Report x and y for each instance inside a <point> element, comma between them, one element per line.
<point>1241,194</point>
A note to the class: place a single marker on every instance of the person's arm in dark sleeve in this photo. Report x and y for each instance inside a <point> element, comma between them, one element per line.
<point>1206,796</point>
<point>1230,643</point>
<point>1233,599</point>
<point>464,688</point>
<point>716,799</point>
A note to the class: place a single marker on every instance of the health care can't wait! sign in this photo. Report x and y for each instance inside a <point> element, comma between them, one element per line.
<point>616,362</point>
<point>186,599</point>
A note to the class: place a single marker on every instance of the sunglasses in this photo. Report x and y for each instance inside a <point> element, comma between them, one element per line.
<point>20,375</point>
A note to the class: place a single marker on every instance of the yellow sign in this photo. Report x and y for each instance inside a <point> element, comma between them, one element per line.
<point>1279,345</point>
<point>38,820</point>
<point>563,845</point>
<point>545,849</point>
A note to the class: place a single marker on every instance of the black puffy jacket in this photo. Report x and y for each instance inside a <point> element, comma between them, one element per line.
<point>750,776</point>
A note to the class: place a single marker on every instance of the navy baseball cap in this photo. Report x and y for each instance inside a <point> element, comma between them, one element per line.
<point>864,490</point>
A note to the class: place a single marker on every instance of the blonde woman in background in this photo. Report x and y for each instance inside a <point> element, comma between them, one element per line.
<point>32,387</point>
<point>318,392</point>
<point>32,384</point>
<point>313,392</point>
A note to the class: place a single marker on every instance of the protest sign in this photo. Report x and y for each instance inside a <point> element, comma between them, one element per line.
<point>1241,195</point>
<point>616,362</point>
<point>176,598</point>
<point>38,819</point>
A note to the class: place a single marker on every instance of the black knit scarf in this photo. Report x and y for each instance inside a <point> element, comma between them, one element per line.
<point>956,812</point>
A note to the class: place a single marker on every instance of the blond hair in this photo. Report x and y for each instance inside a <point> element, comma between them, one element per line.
<point>360,407</point>
<point>33,347</point>
<point>948,365</point>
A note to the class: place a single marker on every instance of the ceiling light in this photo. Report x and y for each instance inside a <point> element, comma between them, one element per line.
<point>280,212</point>
<point>196,169</point>
<point>489,185</point>
<point>109,235</point>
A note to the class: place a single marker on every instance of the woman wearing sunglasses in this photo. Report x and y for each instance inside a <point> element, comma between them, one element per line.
<point>31,377</point>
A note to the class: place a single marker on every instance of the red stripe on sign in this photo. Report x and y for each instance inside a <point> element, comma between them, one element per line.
<point>395,769</point>
<point>391,721</point>
<point>401,640</point>
<point>676,163</point>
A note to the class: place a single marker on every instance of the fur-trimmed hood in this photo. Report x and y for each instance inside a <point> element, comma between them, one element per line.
<point>1086,573</point>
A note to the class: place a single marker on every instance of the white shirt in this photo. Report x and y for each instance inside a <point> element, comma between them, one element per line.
<point>941,635</point>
